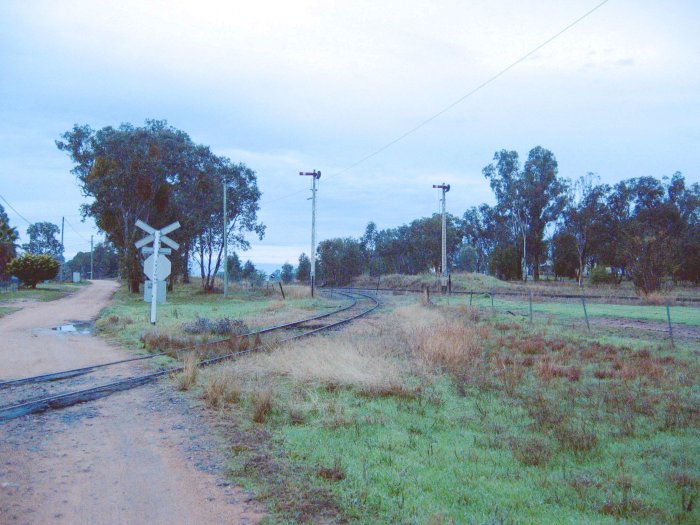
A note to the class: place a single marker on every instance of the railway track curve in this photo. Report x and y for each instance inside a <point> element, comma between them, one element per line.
<point>36,394</point>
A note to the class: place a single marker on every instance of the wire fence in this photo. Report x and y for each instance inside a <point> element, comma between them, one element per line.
<point>667,320</point>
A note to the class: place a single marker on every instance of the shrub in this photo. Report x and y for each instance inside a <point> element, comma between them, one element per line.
<point>599,275</point>
<point>32,269</point>
<point>223,326</point>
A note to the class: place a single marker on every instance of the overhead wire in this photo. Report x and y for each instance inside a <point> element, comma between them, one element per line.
<point>456,102</point>
<point>14,210</point>
<point>75,230</point>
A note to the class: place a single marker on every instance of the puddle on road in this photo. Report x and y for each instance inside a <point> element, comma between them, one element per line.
<point>80,327</point>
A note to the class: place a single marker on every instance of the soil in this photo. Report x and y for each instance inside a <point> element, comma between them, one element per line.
<point>140,456</point>
<point>679,330</point>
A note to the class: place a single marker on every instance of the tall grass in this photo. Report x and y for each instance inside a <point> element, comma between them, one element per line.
<point>440,412</point>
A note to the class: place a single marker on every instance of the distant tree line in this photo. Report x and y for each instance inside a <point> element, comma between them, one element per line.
<point>645,229</point>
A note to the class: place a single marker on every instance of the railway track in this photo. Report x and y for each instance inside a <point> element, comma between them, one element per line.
<point>65,388</point>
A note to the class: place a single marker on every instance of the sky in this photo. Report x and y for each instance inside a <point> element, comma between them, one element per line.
<point>296,86</point>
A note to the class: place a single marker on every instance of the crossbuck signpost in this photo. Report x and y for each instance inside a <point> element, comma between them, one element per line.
<point>156,266</point>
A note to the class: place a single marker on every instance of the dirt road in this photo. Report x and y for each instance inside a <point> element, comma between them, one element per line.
<point>139,456</point>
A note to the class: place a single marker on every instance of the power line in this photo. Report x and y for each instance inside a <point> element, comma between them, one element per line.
<point>76,231</point>
<point>458,101</point>
<point>13,209</point>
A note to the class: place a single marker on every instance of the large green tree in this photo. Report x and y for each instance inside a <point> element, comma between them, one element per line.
<point>242,206</point>
<point>8,243</point>
<point>339,260</point>
<point>529,198</point>
<point>304,269</point>
<point>583,220</point>
<point>157,174</point>
<point>42,240</point>
<point>105,262</point>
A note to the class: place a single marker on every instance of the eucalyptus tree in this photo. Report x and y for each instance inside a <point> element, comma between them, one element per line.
<point>157,174</point>
<point>484,228</point>
<point>42,240</point>
<point>242,194</point>
<point>129,172</point>
<point>303,269</point>
<point>529,198</point>
<point>583,219</point>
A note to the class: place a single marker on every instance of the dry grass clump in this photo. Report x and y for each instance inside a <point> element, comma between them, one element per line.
<point>546,371</point>
<point>440,340</point>
<point>112,323</point>
<point>296,291</point>
<point>343,360</point>
<point>221,389</point>
<point>262,405</point>
<point>333,473</point>
<point>274,306</point>
<point>155,341</point>
<point>187,378</point>
<point>657,299</point>
<point>532,451</point>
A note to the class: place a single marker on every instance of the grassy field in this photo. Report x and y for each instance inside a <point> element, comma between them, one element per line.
<point>443,413</point>
<point>127,319</point>
<point>42,292</point>
<point>567,310</point>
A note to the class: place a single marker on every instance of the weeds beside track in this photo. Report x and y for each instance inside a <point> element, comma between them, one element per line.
<point>242,344</point>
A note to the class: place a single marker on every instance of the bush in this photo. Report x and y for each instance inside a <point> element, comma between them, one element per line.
<point>223,326</point>
<point>32,269</point>
<point>599,275</point>
<point>505,263</point>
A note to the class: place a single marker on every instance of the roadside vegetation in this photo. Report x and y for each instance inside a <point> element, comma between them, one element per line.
<point>450,414</point>
<point>193,316</point>
<point>43,292</point>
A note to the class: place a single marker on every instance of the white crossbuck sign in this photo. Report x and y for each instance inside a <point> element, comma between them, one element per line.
<point>157,267</point>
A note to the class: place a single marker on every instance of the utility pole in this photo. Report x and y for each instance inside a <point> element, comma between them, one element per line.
<point>315,176</point>
<point>445,188</point>
<point>91,250</point>
<point>225,245</point>
<point>63,250</point>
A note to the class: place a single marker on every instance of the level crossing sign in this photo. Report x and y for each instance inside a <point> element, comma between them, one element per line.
<point>157,267</point>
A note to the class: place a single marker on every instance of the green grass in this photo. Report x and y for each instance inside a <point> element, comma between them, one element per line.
<point>42,292</point>
<point>472,447</point>
<point>573,310</point>
<point>600,426</point>
<point>257,308</point>
<point>5,310</point>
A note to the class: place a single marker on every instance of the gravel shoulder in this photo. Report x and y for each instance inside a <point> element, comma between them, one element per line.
<point>141,456</point>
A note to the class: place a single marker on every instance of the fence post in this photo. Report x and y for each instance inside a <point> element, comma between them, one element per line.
<point>281,290</point>
<point>470,298</point>
<point>585,312</point>
<point>493,309</point>
<point>670,326</point>
<point>530,307</point>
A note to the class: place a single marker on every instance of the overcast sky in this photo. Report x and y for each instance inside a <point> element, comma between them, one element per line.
<point>296,86</point>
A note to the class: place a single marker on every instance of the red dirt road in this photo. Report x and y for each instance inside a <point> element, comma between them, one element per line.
<point>135,457</point>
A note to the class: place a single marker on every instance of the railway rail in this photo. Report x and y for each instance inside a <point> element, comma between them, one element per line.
<point>36,394</point>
